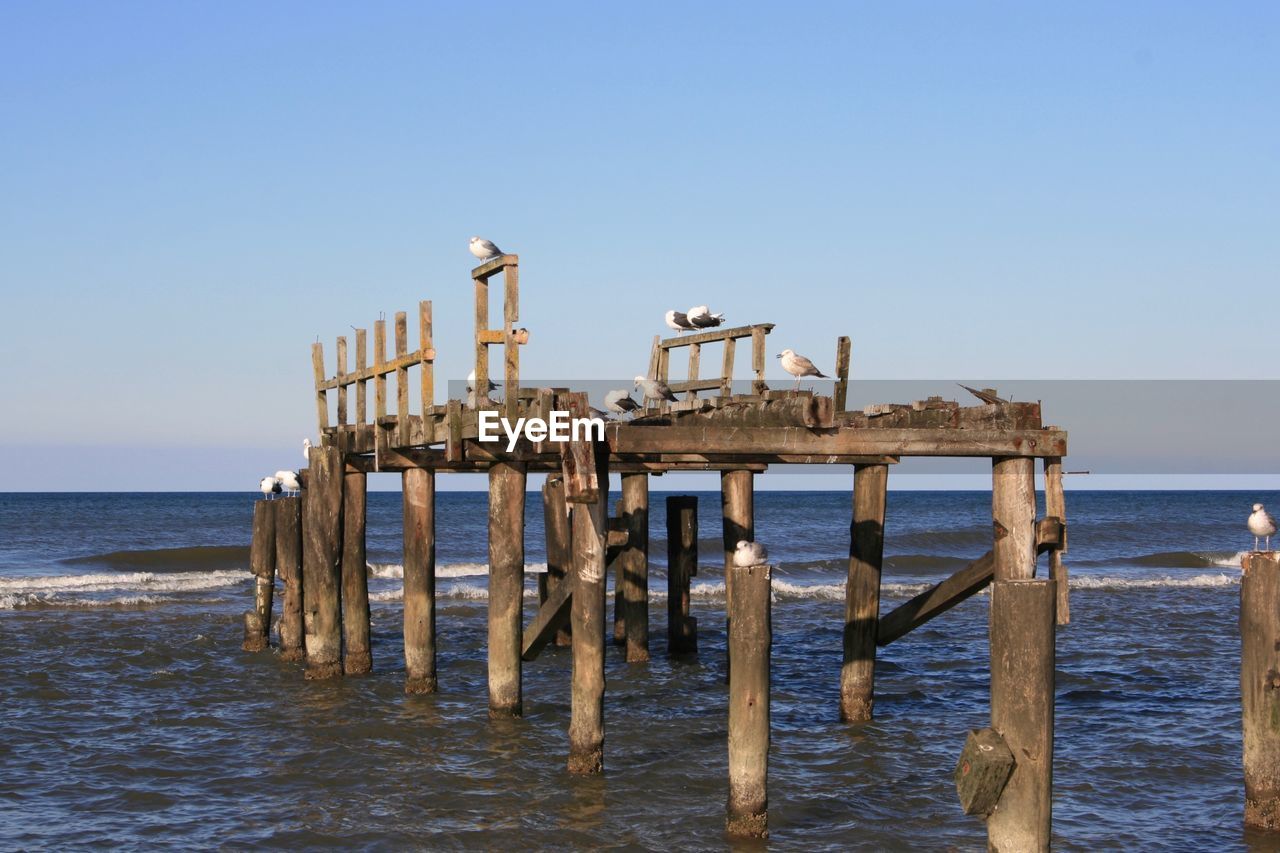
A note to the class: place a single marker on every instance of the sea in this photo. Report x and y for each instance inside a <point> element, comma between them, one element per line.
<point>130,717</point>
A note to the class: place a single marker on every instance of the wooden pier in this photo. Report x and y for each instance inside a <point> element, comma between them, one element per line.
<point>708,428</point>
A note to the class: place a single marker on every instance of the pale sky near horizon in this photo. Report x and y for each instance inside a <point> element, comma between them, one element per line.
<point>192,193</point>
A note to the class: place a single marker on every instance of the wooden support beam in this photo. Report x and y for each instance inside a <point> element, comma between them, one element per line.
<point>506,587</point>
<point>289,568</point>
<point>586,724</point>
<point>262,564</point>
<point>695,359</point>
<point>321,561</point>
<point>1260,688</point>
<point>427,353</point>
<point>342,389</point>
<point>322,396</point>
<point>492,267</point>
<point>633,562</point>
<point>1013,513</point>
<point>715,335</point>
<point>555,522</point>
<point>362,355</point>
<point>758,385</point>
<point>481,383</point>
<point>419,500</point>
<point>511,346</point>
<point>1055,506</point>
<point>750,642</point>
<point>550,619</point>
<point>726,367</point>
<point>862,593</point>
<point>402,379</point>
<point>357,657</point>
<point>388,366</point>
<point>682,564</point>
<point>844,350</point>
<point>936,600</point>
<point>581,483</point>
<point>380,377</point>
<point>1022,684</point>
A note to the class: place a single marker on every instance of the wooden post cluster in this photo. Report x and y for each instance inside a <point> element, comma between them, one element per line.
<point>419,499</point>
<point>750,643</point>
<point>1260,687</point>
<point>862,592</point>
<point>289,568</point>
<point>262,564</point>
<point>682,565</point>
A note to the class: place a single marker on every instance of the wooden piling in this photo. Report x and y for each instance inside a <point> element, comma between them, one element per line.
<point>634,563</point>
<point>1013,514</point>
<point>682,564</point>
<point>555,519</point>
<point>506,585</point>
<point>321,561</point>
<point>862,593</point>
<point>419,487</point>
<point>1022,683</point>
<point>1055,506</point>
<point>750,640</point>
<point>1260,688</point>
<point>737,511</point>
<point>262,564</point>
<point>587,613</point>
<point>289,568</point>
<point>357,657</point>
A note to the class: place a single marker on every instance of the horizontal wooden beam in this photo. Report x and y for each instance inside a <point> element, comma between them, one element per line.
<point>491,268</point>
<point>712,337</point>
<point>383,369</point>
<point>499,336</point>
<point>551,616</point>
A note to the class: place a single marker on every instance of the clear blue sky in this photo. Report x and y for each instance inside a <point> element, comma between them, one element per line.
<point>191,193</point>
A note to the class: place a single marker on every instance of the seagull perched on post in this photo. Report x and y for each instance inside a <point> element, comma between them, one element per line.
<point>678,322</point>
<point>289,481</point>
<point>270,486</point>
<point>799,366</point>
<point>749,554</point>
<point>620,402</point>
<point>655,389</point>
<point>701,317</point>
<point>306,449</point>
<point>484,249</point>
<point>1261,524</point>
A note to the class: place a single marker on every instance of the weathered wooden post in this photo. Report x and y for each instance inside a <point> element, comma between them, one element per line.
<point>1055,505</point>
<point>862,593</point>
<point>682,564</point>
<point>506,585</point>
<point>262,564</point>
<point>750,640</point>
<point>357,657</point>
<point>589,494</point>
<point>737,510</point>
<point>1022,635</point>
<point>634,563</point>
<point>321,563</point>
<point>555,518</point>
<point>419,485</point>
<point>289,568</point>
<point>1260,688</point>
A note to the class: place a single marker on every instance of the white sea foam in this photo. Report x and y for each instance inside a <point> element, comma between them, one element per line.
<point>394,571</point>
<point>32,600</point>
<point>123,582</point>
<point>1233,562</point>
<point>1194,582</point>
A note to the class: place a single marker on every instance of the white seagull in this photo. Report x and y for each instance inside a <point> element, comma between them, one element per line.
<point>678,322</point>
<point>701,316</point>
<point>484,249</point>
<point>1261,524</point>
<point>289,481</point>
<point>654,389</point>
<point>620,402</point>
<point>749,554</point>
<point>270,486</point>
<point>306,449</point>
<point>798,366</point>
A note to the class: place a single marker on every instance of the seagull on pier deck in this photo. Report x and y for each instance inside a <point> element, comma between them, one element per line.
<point>484,249</point>
<point>749,554</point>
<point>655,389</point>
<point>471,382</point>
<point>701,316</point>
<point>1261,524</point>
<point>620,402</point>
<point>289,481</point>
<point>986,395</point>
<point>678,322</point>
<point>270,486</point>
<point>799,366</point>
<point>306,449</point>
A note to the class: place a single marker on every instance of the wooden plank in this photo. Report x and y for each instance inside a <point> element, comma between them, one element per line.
<point>342,389</point>
<point>843,351</point>
<point>758,385</point>
<point>1055,506</point>
<point>402,379</point>
<point>426,344</point>
<point>750,630</point>
<point>550,618</point>
<point>726,367</point>
<point>682,564</point>
<point>507,482</point>
<point>388,366</point>
<point>491,268</point>
<point>453,449</point>
<point>936,600</point>
<point>362,406</point>
<point>862,593</point>
<point>711,337</point>
<point>321,558</point>
<point>322,397</point>
<point>511,348</point>
<point>654,358</point>
<point>578,461</point>
<point>1260,700</point>
<point>633,563</point>
<point>586,721</point>
<point>419,512</point>
<point>555,515</point>
<point>357,658</point>
<point>695,357</point>
<point>482,349</point>
<point>1013,514</point>
<point>380,379</point>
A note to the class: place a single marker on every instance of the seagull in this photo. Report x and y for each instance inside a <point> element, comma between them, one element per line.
<point>701,316</point>
<point>986,395</point>
<point>749,554</point>
<point>620,402</point>
<point>1261,524</point>
<point>597,413</point>
<point>270,486</point>
<point>655,389</point>
<point>289,481</point>
<point>306,449</point>
<point>678,322</point>
<point>799,366</point>
<point>484,249</point>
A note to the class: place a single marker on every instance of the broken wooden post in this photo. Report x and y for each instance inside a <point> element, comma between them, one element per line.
<point>262,564</point>
<point>1260,687</point>
<point>506,584</point>
<point>750,640</point>
<point>1055,506</point>
<point>555,518</point>
<point>1022,635</point>
<point>357,658</point>
<point>982,772</point>
<point>862,593</point>
<point>289,568</point>
<point>682,564</point>
<point>321,561</point>
<point>840,397</point>
<point>634,563</point>
<point>587,612</point>
<point>419,500</point>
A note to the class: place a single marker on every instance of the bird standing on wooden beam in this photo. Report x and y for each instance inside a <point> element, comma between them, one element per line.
<point>655,389</point>
<point>748,554</point>
<point>678,322</point>
<point>1261,524</point>
<point>701,317</point>
<point>799,366</point>
<point>620,402</point>
<point>484,249</point>
<point>986,395</point>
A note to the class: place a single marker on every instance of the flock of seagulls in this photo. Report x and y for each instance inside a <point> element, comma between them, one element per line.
<point>282,481</point>
<point>697,317</point>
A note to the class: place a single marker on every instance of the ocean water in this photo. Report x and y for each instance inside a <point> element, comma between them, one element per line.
<point>130,717</point>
